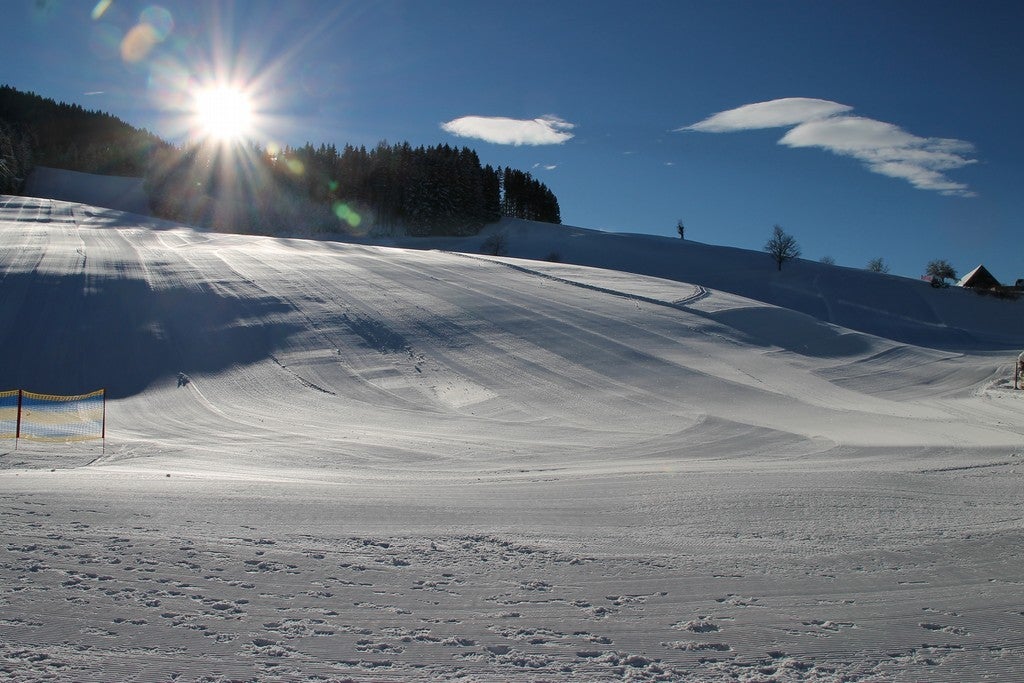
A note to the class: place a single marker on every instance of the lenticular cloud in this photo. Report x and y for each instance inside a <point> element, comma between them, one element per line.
<point>788,111</point>
<point>884,148</point>
<point>546,130</point>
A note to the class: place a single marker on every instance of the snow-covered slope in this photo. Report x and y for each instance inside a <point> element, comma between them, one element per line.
<point>406,464</point>
<point>112,192</point>
<point>886,305</point>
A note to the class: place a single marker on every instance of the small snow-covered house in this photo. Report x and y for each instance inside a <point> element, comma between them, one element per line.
<point>979,278</point>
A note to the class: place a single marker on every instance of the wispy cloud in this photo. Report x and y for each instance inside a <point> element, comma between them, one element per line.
<point>883,147</point>
<point>546,130</point>
<point>773,114</point>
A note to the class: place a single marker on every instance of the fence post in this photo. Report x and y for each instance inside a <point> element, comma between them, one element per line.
<point>17,429</point>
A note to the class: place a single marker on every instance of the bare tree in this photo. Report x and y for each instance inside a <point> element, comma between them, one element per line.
<point>828,260</point>
<point>939,270</point>
<point>681,229</point>
<point>782,246</point>
<point>495,245</point>
<point>878,265</point>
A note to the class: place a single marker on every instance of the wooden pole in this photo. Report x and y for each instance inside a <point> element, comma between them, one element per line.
<point>17,429</point>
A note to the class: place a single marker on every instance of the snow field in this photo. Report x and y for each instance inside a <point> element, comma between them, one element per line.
<point>396,464</point>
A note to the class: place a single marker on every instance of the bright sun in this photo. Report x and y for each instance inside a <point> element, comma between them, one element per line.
<point>223,113</point>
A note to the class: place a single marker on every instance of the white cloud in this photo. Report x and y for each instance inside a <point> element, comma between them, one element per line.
<point>788,111</point>
<point>888,150</point>
<point>884,148</point>
<point>546,130</point>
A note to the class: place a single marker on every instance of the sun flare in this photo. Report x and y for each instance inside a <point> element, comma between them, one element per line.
<point>223,113</point>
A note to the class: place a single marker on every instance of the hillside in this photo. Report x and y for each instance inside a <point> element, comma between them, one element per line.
<point>888,306</point>
<point>392,463</point>
<point>112,192</point>
<point>36,130</point>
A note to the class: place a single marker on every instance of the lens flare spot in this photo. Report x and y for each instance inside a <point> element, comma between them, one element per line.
<point>347,214</point>
<point>138,43</point>
<point>101,7</point>
<point>295,166</point>
<point>160,19</point>
<point>155,25</point>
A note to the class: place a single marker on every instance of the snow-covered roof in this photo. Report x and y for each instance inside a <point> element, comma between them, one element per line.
<point>978,276</point>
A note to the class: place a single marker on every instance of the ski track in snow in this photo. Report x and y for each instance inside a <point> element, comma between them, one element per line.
<point>412,465</point>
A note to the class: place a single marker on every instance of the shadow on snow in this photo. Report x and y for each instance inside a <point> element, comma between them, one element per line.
<point>121,335</point>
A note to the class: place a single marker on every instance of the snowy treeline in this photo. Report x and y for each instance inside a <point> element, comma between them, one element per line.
<point>15,158</point>
<point>39,131</point>
<point>423,190</point>
<point>438,190</point>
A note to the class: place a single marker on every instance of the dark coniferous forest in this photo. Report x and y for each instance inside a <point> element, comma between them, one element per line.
<point>438,190</point>
<point>38,131</point>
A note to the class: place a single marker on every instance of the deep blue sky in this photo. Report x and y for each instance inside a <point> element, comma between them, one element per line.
<point>613,84</point>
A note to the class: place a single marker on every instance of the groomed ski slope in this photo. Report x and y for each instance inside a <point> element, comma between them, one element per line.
<point>392,464</point>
